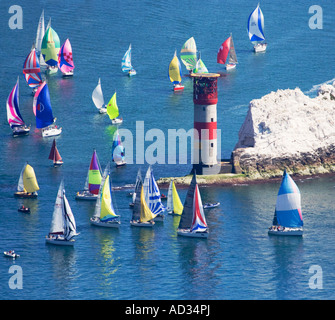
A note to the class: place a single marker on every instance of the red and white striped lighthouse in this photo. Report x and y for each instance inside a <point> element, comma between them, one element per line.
<point>205,98</point>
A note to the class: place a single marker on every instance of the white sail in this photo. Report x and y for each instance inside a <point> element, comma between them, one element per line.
<point>232,52</point>
<point>69,221</point>
<point>97,96</point>
<point>20,186</point>
<point>169,203</point>
<point>57,224</point>
<point>40,34</point>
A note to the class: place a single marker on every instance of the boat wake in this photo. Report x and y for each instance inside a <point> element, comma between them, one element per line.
<point>316,87</point>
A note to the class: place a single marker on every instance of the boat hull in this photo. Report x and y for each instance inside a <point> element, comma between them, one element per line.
<point>21,194</point>
<point>187,233</point>
<point>51,70</point>
<point>51,132</point>
<point>59,242</point>
<point>86,196</point>
<point>142,224</point>
<point>68,74</point>
<point>103,110</point>
<point>230,66</point>
<point>20,131</point>
<point>280,233</point>
<point>261,47</point>
<point>116,121</point>
<point>131,73</point>
<point>211,205</point>
<point>11,255</point>
<point>178,87</point>
<point>120,164</point>
<point>111,224</point>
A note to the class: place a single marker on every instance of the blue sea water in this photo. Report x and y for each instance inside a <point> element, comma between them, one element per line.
<point>239,260</point>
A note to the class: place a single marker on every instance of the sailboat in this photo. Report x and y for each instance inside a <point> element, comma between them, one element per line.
<point>14,117</point>
<point>138,183</point>
<point>126,65</point>
<point>227,49</point>
<point>65,59</point>
<point>192,221</point>
<point>256,30</point>
<point>50,49</point>
<point>113,110</point>
<point>200,67</point>
<point>43,112</point>
<point>118,151</point>
<point>63,225</point>
<point>287,220</point>
<point>104,213</point>
<point>93,180</point>
<point>39,37</point>
<point>188,54</point>
<point>55,156</point>
<point>175,73</point>
<point>174,205</point>
<point>32,70</point>
<point>152,195</point>
<point>27,186</point>
<point>98,98</point>
<point>142,215</point>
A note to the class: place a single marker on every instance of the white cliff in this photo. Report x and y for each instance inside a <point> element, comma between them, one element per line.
<point>287,129</point>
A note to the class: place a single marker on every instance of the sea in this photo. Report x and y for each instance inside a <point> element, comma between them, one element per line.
<point>238,261</point>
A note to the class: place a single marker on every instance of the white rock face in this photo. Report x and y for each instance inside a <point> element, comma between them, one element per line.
<point>287,124</point>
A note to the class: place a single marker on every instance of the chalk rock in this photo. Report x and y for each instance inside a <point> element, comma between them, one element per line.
<point>287,129</point>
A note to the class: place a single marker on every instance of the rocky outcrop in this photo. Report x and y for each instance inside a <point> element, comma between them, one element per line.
<point>287,129</point>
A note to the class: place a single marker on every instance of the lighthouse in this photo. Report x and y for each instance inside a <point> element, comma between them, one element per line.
<point>205,98</point>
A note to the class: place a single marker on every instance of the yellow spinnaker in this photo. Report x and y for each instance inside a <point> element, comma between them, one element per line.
<point>174,70</point>
<point>177,205</point>
<point>146,214</point>
<point>106,211</point>
<point>29,179</point>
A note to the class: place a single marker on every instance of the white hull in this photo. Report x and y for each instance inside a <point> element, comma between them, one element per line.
<point>116,121</point>
<point>112,224</point>
<point>178,87</point>
<point>59,242</point>
<point>131,73</point>
<point>187,233</point>
<point>58,163</point>
<point>103,110</point>
<point>261,47</point>
<point>120,163</point>
<point>286,232</point>
<point>51,132</point>
<point>85,195</point>
<point>230,66</point>
<point>68,74</point>
<point>142,224</point>
<point>11,255</point>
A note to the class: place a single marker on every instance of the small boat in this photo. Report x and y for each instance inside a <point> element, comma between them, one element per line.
<point>27,186</point>
<point>113,110</point>
<point>98,98</point>
<point>287,220</point>
<point>63,225</point>
<point>126,65</point>
<point>188,54</point>
<point>192,221</point>
<point>175,73</point>
<point>227,50</point>
<point>65,59</point>
<point>152,195</point>
<point>118,151</point>
<point>104,213</point>
<point>24,209</point>
<point>211,205</point>
<point>142,215</point>
<point>93,180</point>
<point>174,205</point>
<point>256,30</point>
<point>11,254</point>
<point>43,112</point>
<point>14,117</point>
<point>50,48</point>
<point>32,70</point>
<point>55,156</point>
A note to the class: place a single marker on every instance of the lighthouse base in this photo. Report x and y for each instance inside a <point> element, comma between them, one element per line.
<point>202,169</point>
